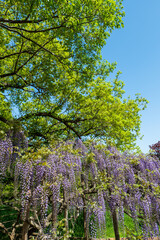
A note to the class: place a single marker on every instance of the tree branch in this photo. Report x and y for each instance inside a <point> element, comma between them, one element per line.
<point>21,21</point>
<point>13,54</point>
<point>2,119</point>
<point>36,31</point>
<point>5,230</point>
<point>50,114</point>
<point>16,71</point>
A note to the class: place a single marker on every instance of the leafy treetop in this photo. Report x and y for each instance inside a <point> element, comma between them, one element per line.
<point>52,71</point>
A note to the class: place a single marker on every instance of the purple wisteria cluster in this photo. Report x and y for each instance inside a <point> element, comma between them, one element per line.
<point>88,177</point>
<point>10,148</point>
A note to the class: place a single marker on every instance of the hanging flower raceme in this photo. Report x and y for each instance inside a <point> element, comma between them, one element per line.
<point>6,149</point>
<point>70,177</point>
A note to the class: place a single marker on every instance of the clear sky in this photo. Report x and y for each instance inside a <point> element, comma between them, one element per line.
<point>136,49</point>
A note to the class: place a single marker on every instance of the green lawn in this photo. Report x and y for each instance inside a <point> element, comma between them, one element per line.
<point>128,223</point>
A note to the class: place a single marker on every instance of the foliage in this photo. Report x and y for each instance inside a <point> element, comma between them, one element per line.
<point>52,73</point>
<point>53,88</point>
<point>69,182</point>
<point>155,149</point>
<point>8,216</point>
<point>5,115</point>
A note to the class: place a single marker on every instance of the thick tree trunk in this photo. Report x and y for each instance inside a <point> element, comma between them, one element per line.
<point>26,224</point>
<point>115,225</point>
<point>25,231</point>
<point>54,217</point>
<point>26,221</point>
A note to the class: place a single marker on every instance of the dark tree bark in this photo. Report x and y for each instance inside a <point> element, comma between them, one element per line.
<point>26,224</point>
<point>54,214</point>
<point>115,225</point>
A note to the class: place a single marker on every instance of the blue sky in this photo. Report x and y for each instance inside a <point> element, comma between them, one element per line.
<point>136,49</point>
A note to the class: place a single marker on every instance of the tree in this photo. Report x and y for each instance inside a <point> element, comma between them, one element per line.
<point>52,74</point>
<point>155,149</point>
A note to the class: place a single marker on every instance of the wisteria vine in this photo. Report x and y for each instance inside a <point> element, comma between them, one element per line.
<point>71,178</point>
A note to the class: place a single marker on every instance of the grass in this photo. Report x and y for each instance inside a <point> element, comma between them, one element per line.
<point>128,227</point>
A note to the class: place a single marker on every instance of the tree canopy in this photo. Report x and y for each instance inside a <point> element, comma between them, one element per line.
<point>53,79</point>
